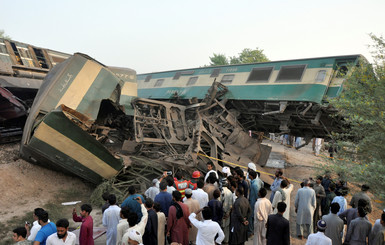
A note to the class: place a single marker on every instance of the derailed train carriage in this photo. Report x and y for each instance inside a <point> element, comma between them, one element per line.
<point>86,120</point>
<point>286,97</point>
<point>22,70</point>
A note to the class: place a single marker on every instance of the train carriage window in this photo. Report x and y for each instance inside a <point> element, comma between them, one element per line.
<point>215,72</point>
<point>292,73</point>
<point>3,50</point>
<point>342,71</point>
<point>227,78</point>
<point>320,76</point>
<point>261,74</point>
<point>148,78</point>
<point>192,81</point>
<point>177,75</point>
<point>159,83</point>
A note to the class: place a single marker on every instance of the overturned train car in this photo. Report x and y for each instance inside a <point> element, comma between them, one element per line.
<point>86,120</point>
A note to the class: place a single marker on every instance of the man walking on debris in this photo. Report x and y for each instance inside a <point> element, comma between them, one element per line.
<point>111,219</point>
<point>87,227</point>
<point>305,203</point>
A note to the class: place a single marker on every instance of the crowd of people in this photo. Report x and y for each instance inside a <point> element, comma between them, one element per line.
<point>223,207</point>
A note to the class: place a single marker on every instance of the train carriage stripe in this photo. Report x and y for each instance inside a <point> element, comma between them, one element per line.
<point>80,85</point>
<point>130,89</point>
<point>69,147</point>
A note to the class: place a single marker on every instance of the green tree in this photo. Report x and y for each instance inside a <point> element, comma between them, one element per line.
<point>2,35</point>
<point>361,152</point>
<point>246,56</point>
<point>218,60</point>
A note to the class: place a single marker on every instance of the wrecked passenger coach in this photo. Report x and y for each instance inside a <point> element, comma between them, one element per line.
<point>86,120</point>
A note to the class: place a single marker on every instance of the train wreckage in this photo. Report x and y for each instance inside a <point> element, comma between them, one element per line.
<point>87,120</point>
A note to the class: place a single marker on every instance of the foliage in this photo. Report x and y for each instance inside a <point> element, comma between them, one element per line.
<point>2,35</point>
<point>362,104</point>
<point>246,56</point>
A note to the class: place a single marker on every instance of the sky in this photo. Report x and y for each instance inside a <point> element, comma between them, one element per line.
<point>160,35</point>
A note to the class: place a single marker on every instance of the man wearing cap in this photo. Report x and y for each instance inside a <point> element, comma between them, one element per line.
<point>362,195</point>
<point>226,171</point>
<point>153,190</point>
<point>180,183</point>
<point>193,206</point>
<point>194,180</point>
<point>134,238</point>
<point>319,238</point>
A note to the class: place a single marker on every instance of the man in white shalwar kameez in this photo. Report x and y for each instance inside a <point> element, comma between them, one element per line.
<point>111,219</point>
<point>305,203</point>
<point>283,195</point>
<point>262,210</point>
<point>319,238</point>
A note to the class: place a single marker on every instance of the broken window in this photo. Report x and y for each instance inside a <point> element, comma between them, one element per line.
<point>261,74</point>
<point>292,73</point>
<point>320,76</point>
<point>342,71</point>
<point>159,83</point>
<point>192,81</point>
<point>227,78</point>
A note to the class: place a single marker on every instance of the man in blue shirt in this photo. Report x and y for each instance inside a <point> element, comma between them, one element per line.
<point>131,202</point>
<point>47,228</point>
<point>163,198</point>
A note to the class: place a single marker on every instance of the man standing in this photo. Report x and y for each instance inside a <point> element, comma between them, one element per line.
<point>242,182</point>
<point>161,223</point>
<point>319,238</point>
<point>210,169</point>
<point>277,227</point>
<point>207,229</point>
<point>305,203</point>
<point>199,194</point>
<point>262,211</point>
<point>47,228</point>
<point>132,220</point>
<point>227,200</point>
<point>359,229</point>
<point>193,206</point>
<point>131,202</point>
<point>254,189</point>
<point>111,219</point>
<point>335,224</point>
<point>19,235</point>
<point>178,222</point>
<point>63,236</point>
<point>87,227</point>
<point>362,195</point>
<point>277,182</point>
<point>194,180</point>
<point>163,198</point>
<point>123,225</point>
<point>378,235</point>
<point>31,234</point>
<point>283,195</point>
<point>153,190</point>
<point>180,183</point>
<point>319,194</point>
<point>239,218</point>
<point>150,236</point>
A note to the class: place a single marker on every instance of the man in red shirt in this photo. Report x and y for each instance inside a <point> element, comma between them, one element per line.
<point>87,227</point>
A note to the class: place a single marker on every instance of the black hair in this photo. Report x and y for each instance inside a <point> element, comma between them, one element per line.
<point>361,212</point>
<point>170,180</point>
<point>131,190</point>
<point>240,190</point>
<point>188,195</point>
<point>332,186</point>
<point>207,213</point>
<point>178,175</point>
<point>177,195</point>
<point>210,163</point>
<point>365,187</point>
<point>284,183</point>
<point>253,174</point>
<point>36,211</point>
<point>125,211</point>
<point>281,206</point>
<point>217,193</point>
<point>239,172</point>
<point>62,223</point>
<point>262,192</point>
<point>132,219</point>
<point>157,206</point>
<point>362,203</point>
<point>320,177</point>
<point>105,196</point>
<point>149,203</point>
<point>112,199</point>
<point>280,172</point>
<point>383,217</point>
<point>200,184</point>
<point>20,231</point>
<point>163,185</point>
<point>43,216</point>
<point>234,184</point>
<point>86,207</point>
<point>334,207</point>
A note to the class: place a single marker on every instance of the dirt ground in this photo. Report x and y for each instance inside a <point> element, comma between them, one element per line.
<point>25,186</point>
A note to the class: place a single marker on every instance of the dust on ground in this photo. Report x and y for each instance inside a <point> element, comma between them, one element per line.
<point>25,186</point>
